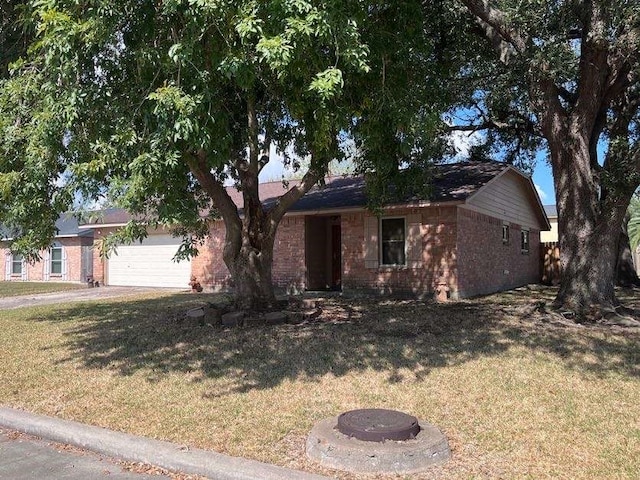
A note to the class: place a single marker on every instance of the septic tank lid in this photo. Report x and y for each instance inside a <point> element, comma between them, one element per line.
<point>378,425</point>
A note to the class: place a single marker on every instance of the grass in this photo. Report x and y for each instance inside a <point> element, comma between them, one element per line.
<point>12,289</point>
<point>519,394</point>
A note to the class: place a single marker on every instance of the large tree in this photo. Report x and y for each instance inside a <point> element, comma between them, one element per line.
<point>565,75</point>
<point>159,105</point>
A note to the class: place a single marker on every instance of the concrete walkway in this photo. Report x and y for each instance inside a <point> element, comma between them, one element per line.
<point>24,457</point>
<point>212,465</point>
<point>79,295</point>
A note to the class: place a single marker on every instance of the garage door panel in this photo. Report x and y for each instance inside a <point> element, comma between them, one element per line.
<point>149,264</point>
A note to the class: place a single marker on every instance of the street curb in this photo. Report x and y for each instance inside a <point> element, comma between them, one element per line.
<point>213,465</point>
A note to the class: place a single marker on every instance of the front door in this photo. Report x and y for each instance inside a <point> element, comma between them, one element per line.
<point>336,257</point>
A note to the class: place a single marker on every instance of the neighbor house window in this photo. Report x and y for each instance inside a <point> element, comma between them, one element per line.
<point>16,264</point>
<point>524,241</point>
<point>56,260</point>
<point>505,234</point>
<point>392,235</point>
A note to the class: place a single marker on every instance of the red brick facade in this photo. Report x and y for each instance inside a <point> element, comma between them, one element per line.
<point>485,263</point>
<point>447,246</point>
<point>435,260</point>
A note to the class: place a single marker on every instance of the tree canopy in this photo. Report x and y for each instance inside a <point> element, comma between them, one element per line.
<point>565,76</point>
<point>158,105</point>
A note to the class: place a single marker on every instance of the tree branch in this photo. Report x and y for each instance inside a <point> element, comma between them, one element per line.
<point>593,68</point>
<point>294,194</point>
<point>221,200</point>
<point>506,41</point>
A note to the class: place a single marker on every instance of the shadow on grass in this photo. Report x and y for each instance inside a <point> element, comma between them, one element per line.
<point>148,336</point>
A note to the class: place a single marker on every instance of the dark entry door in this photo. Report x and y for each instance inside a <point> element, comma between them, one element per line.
<point>336,257</point>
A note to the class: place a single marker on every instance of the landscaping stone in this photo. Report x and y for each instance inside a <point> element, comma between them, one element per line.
<point>195,312</point>
<point>274,318</point>
<point>233,319</point>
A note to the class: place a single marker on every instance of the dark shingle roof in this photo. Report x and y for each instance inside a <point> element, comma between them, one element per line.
<point>108,216</point>
<point>66,226</point>
<point>451,182</point>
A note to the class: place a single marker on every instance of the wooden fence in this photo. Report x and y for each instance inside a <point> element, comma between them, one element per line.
<point>550,258</point>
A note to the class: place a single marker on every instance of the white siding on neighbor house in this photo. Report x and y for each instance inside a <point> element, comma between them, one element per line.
<point>551,235</point>
<point>149,264</point>
<point>509,198</point>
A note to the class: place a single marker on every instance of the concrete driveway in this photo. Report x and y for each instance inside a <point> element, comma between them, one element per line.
<point>80,295</point>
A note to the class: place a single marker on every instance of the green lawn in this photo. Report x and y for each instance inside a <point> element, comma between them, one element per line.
<point>12,289</point>
<point>519,394</point>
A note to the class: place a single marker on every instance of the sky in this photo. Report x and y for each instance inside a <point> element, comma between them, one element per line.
<point>543,180</point>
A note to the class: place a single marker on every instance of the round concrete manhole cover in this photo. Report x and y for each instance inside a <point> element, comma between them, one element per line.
<point>378,425</point>
<point>377,441</point>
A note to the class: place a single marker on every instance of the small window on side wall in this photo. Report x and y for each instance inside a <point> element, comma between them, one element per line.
<point>392,244</point>
<point>524,241</point>
<point>56,260</point>
<point>16,264</point>
<point>505,234</point>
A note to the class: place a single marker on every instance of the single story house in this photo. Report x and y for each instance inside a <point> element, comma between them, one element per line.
<point>478,233</point>
<point>68,259</point>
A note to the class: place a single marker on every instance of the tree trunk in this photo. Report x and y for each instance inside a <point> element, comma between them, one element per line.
<point>588,227</point>
<point>251,275</point>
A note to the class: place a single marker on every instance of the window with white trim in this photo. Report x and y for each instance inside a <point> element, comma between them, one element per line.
<point>55,260</point>
<point>505,234</point>
<point>524,241</point>
<point>393,241</point>
<point>17,261</point>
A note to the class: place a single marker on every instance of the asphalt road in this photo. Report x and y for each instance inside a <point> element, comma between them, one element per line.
<point>80,295</point>
<point>23,457</point>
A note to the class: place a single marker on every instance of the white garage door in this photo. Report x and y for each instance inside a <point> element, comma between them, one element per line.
<point>149,264</point>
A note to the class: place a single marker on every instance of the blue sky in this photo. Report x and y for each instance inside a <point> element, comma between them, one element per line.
<point>543,180</point>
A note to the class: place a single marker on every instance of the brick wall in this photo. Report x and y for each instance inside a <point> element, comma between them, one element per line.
<point>288,270</point>
<point>436,250</point>
<point>458,249</point>
<point>35,271</point>
<point>485,264</point>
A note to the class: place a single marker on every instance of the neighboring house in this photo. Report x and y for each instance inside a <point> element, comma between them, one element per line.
<point>70,257</point>
<point>552,215</point>
<point>479,233</point>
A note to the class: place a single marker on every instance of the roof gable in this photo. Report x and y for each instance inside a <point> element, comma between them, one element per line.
<point>511,196</point>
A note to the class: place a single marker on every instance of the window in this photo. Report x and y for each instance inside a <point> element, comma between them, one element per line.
<point>56,260</point>
<point>524,241</point>
<point>505,234</point>
<point>16,264</point>
<point>392,234</point>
